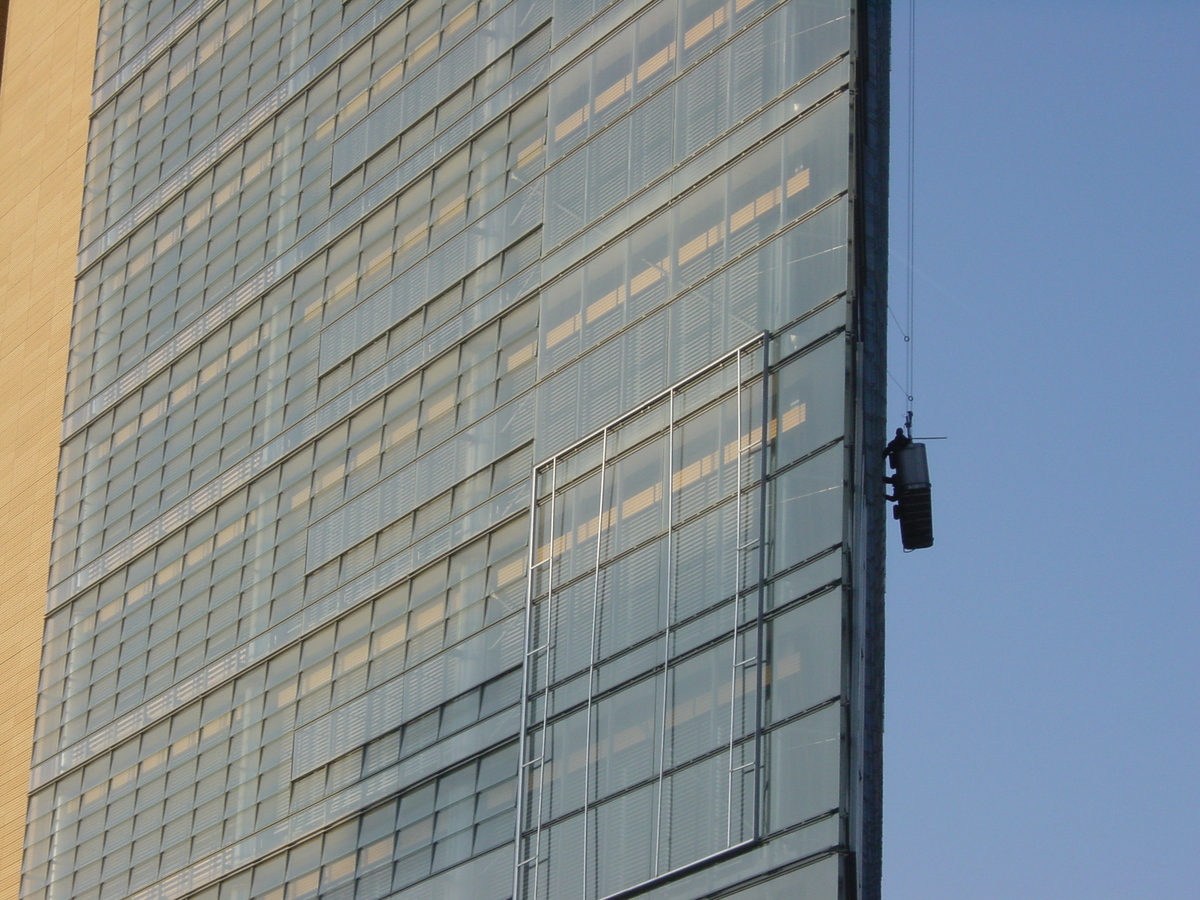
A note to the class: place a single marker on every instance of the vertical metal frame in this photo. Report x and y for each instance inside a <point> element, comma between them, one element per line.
<point>587,767</point>
<point>523,862</point>
<point>668,495</point>
<point>763,548</point>
<point>745,446</point>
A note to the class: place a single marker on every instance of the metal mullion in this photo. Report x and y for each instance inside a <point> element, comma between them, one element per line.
<point>544,650</point>
<point>737,601</point>
<point>526,674</point>
<point>592,661</point>
<point>760,629</point>
<point>546,647</point>
<point>668,495</point>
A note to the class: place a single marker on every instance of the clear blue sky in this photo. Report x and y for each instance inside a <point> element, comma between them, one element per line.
<point>1043,708</point>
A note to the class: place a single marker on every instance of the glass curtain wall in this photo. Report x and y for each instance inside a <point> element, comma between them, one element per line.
<point>462,454</point>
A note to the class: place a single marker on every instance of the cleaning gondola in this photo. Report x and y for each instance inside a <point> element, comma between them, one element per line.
<point>911,488</point>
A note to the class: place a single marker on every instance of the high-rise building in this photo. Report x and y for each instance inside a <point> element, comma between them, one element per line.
<point>471,480</point>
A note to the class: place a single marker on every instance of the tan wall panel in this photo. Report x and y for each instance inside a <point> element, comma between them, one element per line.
<point>45,97</point>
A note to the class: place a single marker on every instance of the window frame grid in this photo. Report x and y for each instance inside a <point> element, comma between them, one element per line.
<point>749,616</point>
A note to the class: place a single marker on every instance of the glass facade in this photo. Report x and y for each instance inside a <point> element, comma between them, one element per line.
<point>471,480</point>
